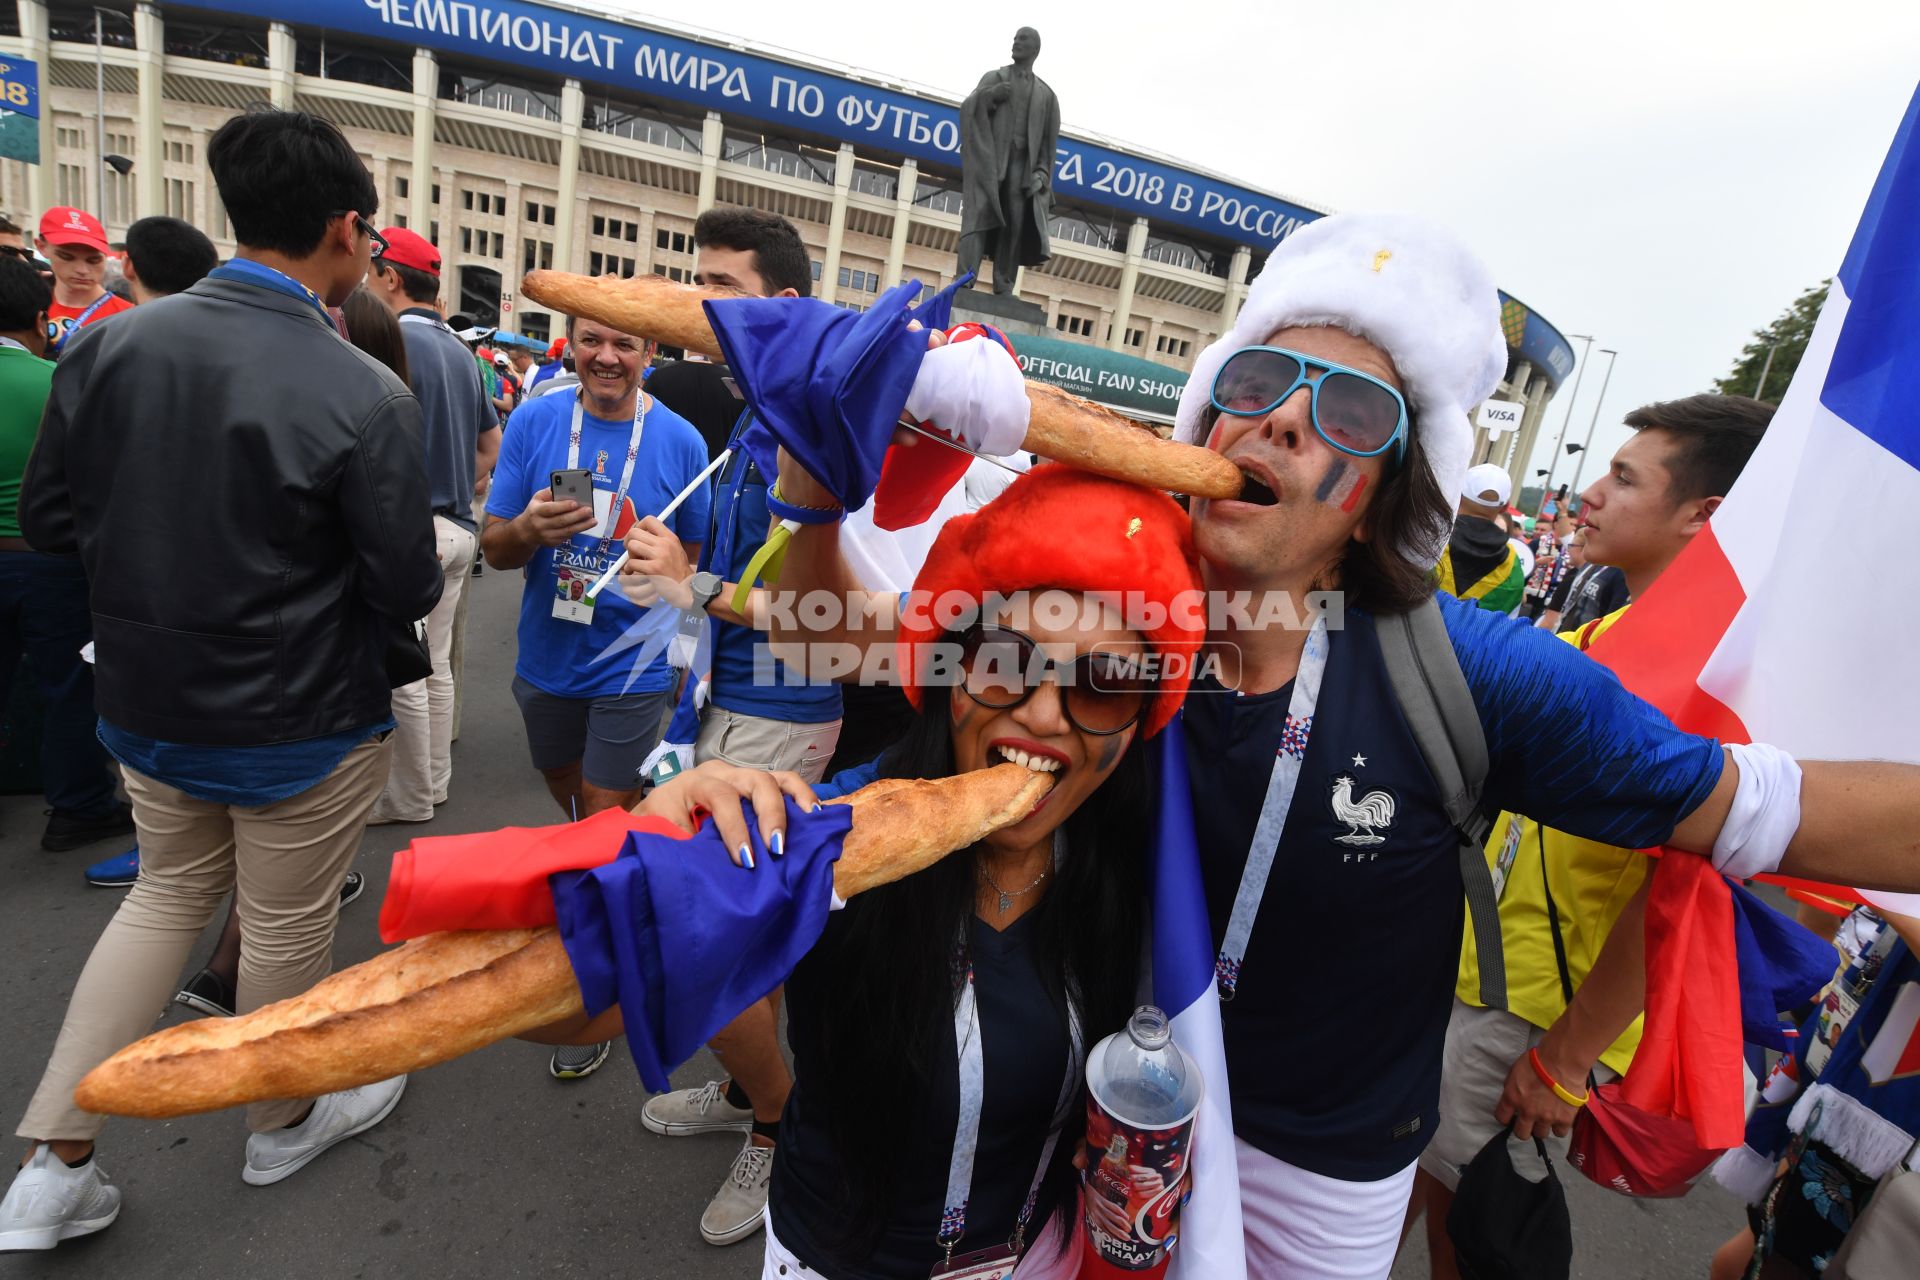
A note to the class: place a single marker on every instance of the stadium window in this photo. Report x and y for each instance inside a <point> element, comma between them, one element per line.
<point>466,239</point>
<point>1135,337</point>
<point>659,270</point>
<point>433,232</point>
<point>660,238</point>
<point>400,186</point>
<point>816,272</point>
<point>628,266</point>
<point>499,245</point>
<point>633,233</point>
<point>599,225</point>
<point>679,242</point>
<point>594,265</point>
<point>846,277</point>
<point>466,201</point>
<point>400,220</point>
<point>533,326</point>
<point>436,193</point>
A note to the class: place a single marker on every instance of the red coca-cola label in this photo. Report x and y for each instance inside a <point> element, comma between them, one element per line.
<point>1134,1187</point>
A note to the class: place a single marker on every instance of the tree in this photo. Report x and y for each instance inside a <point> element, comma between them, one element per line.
<point>1786,338</point>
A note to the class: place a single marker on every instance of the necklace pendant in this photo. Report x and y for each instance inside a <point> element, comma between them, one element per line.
<point>1006,903</point>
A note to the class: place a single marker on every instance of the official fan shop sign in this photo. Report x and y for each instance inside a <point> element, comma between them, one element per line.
<point>19,109</point>
<point>1497,417</point>
<point>570,43</point>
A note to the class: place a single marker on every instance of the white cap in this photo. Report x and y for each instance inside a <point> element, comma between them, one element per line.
<point>1407,286</point>
<point>1487,478</point>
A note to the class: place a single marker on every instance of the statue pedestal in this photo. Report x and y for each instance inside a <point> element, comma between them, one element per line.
<point>1005,312</point>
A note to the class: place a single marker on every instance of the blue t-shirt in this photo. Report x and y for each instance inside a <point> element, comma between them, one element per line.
<point>246,777</point>
<point>565,658</point>
<point>747,679</point>
<point>1335,1034</point>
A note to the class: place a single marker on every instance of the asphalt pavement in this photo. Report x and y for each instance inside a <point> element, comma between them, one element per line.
<point>488,1167</point>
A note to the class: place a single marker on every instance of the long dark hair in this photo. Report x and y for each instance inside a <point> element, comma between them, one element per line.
<point>372,328</point>
<point>888,1023</point>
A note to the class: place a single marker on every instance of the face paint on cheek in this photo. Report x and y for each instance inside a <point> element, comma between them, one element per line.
<point>1110,749</point>
<point>1341,486</point>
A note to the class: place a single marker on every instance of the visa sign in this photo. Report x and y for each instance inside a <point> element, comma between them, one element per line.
<point>1497,417</point>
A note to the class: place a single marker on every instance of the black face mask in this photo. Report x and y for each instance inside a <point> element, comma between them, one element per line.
<point>1507,1228</point>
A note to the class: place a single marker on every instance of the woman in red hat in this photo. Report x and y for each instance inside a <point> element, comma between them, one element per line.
<point>999,966</point>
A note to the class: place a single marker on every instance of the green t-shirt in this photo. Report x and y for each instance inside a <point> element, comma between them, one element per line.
<point>25,380</point>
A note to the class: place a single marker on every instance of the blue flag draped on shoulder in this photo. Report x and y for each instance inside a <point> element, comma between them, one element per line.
<point>1212,1243</point>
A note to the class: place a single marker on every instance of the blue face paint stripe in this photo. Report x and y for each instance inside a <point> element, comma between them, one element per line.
<point>1331,481</point>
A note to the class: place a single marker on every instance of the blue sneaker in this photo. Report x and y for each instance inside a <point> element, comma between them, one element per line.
<point>118,872</point>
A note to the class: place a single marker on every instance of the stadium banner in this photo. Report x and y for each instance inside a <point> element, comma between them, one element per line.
<point>746,85</point>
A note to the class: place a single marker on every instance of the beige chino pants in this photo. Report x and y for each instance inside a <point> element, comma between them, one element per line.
<point>423,711</point>
<point>284,863</point>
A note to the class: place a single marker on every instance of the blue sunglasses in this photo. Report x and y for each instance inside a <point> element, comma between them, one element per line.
<point>1352,411</point>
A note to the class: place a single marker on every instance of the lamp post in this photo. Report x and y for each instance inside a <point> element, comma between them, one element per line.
<point>1591,426</point>
<point>1765,369</point>
<point>1580,372</point>
<point>100,157</point>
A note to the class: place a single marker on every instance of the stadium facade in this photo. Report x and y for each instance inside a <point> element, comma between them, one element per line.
<point>520,135</point>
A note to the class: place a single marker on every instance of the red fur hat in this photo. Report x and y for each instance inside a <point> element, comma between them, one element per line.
<point>1064,528</point>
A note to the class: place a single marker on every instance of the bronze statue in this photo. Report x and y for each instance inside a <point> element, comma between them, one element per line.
<point>1009,130</point>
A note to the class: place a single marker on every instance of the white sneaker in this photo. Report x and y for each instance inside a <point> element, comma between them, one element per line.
<point>335,1118</point>
<point>702,1110</point>
<point>739,1208</point>
<point>48,1203</point>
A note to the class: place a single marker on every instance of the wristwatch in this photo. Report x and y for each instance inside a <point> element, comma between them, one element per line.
<point>706,587</point>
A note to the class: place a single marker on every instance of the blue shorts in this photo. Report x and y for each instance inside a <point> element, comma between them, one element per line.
<point>607,737</point>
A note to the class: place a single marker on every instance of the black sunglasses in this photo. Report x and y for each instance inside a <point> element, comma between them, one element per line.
<point>1102,692</point>
<point>16,251</point>
<point>360,223</point>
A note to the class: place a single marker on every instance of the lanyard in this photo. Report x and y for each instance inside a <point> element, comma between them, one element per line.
<point>415,317</point>
<point>59,344</point>
<point>966,1134</point>
<point>1273,813</point>
<point>626,471</point>
<point>247,271</point>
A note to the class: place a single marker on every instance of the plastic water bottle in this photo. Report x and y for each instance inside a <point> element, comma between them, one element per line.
<point>1143,1093</point>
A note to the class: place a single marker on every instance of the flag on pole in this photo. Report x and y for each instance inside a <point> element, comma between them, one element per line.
<point>1781,622</point>
<point>1212,1243</point>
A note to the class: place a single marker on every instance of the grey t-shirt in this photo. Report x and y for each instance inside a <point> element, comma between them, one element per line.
<point>454,409</point>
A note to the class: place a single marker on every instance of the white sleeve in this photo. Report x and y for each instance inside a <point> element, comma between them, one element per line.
<point>1765,812</point>
<point>975,391</point>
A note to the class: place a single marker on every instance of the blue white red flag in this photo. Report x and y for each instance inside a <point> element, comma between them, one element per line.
<point>1212,1243</point>
<point>1783,622</point>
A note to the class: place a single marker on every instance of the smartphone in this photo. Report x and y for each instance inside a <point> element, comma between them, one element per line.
<point>576,484</point>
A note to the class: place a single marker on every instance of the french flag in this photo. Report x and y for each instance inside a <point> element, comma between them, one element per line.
<point>1784,623</point>
<point>1212,1244</point>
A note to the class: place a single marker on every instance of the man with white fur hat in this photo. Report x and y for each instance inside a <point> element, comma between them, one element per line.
<point>1332,870</point>
<point>1343,393</point>
<point>1482,563</point>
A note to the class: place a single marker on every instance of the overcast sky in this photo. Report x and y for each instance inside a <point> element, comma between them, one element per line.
<point>1664,176</point>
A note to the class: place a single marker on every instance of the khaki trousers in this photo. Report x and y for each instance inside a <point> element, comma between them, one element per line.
<point>423,711</point>
<point>284,863</point>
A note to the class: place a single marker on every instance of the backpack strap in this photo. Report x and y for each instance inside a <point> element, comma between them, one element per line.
<point>1434,697</point>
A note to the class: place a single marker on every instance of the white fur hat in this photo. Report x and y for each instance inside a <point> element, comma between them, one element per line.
<point>1405,285</point>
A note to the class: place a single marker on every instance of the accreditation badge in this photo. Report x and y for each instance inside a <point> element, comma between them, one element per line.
<point>987,1264</point>
<point>570,602</point>
<point>1509,850</point>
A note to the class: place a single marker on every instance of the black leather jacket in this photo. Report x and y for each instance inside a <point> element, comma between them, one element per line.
<point>248,494</point>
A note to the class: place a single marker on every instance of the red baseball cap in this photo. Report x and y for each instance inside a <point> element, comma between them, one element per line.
<point>63,224</point>
<point>559,345</point>
<point>410,249</point>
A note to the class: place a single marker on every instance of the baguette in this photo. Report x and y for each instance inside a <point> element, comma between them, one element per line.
<point>1062,426</point>
<point>447,994</point>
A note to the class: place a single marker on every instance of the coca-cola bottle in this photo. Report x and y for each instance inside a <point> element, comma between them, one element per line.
<point>1143,1092</point>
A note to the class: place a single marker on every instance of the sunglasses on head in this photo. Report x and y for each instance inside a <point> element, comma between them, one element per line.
<point>1101,692</point>
<point>1352,411</point>
<point>16,251</point>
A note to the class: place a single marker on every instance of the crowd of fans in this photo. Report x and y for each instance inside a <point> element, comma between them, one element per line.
<point>250,694</point>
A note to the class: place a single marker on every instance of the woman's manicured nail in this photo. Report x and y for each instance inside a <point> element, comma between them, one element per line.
<point>818,805</point>
<point>746,856</point>
<point>777,845</point>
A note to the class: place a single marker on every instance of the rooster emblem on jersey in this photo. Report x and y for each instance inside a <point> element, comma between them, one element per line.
<point>1374,809</point>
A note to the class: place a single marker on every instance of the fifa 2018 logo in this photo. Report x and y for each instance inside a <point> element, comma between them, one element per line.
<point>600,463</point>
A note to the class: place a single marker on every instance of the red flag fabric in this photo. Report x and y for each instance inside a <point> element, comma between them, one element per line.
<point>498,879</point>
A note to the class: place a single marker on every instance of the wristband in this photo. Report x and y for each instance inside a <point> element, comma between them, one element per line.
<point>785,510</point>
<point>1559,1091</point>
